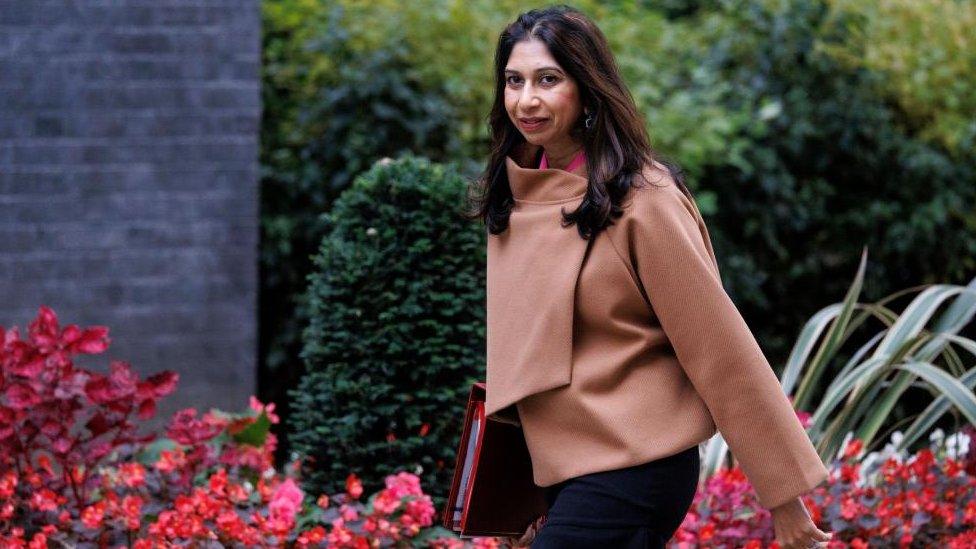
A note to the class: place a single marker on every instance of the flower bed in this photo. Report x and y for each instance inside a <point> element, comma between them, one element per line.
<point>926,499</point>
<point>75,471</point>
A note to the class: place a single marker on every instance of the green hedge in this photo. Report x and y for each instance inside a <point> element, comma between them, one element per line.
<point>396,333</point>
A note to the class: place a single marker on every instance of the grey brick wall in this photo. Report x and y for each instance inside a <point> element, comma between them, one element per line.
<point>129,182</point>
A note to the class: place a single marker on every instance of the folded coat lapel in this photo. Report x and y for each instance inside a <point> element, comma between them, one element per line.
<point>533,269</point>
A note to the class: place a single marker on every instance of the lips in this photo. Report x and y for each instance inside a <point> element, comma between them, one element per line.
<point>529,124</point>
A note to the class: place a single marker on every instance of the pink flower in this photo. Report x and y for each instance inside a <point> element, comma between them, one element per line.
<point>268,409</point>
<point>403,484</point>
<point>348,512</point>
<point>386,502</point>
<point>420,511</point>
<point>805,418</point>
<point>286,500</point>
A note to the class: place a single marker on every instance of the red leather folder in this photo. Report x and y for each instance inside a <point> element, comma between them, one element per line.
<point>492,493</point>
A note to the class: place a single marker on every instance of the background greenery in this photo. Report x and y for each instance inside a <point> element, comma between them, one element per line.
<point>807,128</point>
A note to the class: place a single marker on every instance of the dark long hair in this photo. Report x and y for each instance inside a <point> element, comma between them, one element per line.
<point>617,145</point>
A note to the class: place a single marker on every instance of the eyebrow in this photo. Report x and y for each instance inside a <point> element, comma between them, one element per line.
<point>540,69</point>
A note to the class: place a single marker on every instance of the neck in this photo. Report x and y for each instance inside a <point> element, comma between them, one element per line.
<point>559,156</point>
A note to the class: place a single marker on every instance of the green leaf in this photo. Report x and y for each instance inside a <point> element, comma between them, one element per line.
<point>255,433</point>
<point>149,454</point>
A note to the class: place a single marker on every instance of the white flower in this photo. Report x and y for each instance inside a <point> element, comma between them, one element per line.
<point>957,445</point>
<point>868,466</point>
<point>843,444</point>
<point>770,110</point>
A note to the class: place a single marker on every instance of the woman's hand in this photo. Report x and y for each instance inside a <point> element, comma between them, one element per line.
<point>528,537</point>
<point>794,528</point>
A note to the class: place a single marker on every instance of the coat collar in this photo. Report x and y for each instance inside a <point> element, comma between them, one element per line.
<point>530,184</point>
<point>532,271</point>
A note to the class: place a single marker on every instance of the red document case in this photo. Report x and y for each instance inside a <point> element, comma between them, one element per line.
<point>492,493</point>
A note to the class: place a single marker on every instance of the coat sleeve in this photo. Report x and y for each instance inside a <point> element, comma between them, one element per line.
<point>673,258</point>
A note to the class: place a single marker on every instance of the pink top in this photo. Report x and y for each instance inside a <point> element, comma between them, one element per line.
<point>573,164</point>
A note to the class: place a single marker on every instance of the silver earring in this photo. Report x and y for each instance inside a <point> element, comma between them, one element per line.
<point>588,121</point>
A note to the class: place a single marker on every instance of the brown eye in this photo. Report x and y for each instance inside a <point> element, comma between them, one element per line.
<point>553,76</point>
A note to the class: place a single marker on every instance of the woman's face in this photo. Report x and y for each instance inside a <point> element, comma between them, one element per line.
<point>541,99</point>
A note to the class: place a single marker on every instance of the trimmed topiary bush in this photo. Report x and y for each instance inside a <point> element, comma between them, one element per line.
<point>331,109</point>
<point>396,333</point>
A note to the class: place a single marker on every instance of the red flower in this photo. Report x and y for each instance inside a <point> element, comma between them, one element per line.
<point>132,512</point>
<point>8,483</point>
<point>93,515</point>
<point>323,501</point>
<point>853,448</point>
<point>133,474</point>
<point>39,541</point>
<point>311,537</point>
<point>353,487</point>
<point>44,500</point>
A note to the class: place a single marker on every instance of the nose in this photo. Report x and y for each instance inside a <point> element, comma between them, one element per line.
<point>529,96</point>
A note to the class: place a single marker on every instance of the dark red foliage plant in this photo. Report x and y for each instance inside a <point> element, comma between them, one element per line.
<point>58,422</point>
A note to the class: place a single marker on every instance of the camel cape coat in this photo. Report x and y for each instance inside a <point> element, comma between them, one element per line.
<point>626,348</point>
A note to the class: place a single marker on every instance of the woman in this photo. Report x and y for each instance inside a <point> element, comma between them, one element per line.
<point>610,337</point>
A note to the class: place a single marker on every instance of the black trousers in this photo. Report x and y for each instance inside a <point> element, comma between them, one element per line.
<point>631,508</point>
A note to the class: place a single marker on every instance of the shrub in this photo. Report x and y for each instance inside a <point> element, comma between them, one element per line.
<point>59,422</point>
<point>925,51</point>
<point>397,329</point>
<point>823,167</point>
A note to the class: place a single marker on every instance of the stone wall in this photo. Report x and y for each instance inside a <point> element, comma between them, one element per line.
<point>129,182</point>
